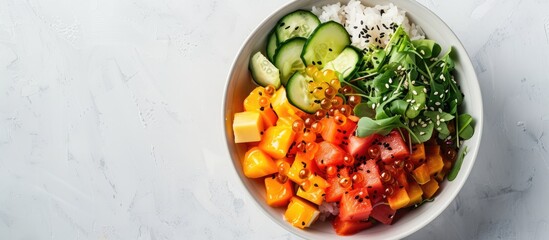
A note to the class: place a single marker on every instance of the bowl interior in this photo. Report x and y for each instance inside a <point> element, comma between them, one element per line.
<point>240,84</point>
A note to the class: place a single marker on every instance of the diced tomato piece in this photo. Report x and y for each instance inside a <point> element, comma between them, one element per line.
<point>393,147</point>
<point>337,133</point>
<point>358,147</point>
<point>345,228</point>
<point>335,190</point>
<point>371,179</point>
<point>383,213</point>
<point>328,154</point>
<point>355,205</point>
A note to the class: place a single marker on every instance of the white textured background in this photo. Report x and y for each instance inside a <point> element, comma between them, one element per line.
<point>110,120</point>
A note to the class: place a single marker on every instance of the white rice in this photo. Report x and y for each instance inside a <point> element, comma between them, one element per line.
<point>369,25</point>
<point>327,210</point>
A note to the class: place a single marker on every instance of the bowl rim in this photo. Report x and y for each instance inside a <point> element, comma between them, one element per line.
<point>465,62</point>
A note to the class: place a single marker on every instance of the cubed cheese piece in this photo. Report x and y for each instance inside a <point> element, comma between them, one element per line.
<point>247,127</point>
<point>430,188</point>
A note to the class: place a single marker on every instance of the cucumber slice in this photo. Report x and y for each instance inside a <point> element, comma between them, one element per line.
<point>287,58</point>
<point>264,72</point>
<point>346,62</point>
<point>272,44</point>
<point>298,94</point>
<point>300,23</point>
<point>325,44</point>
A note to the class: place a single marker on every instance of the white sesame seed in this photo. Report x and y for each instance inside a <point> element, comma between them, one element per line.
<point>421,133</point>
<point>442,120</point>
<point>436,93</point>
<point>425,90</point>
<point>438,128</point>
<point>408,100</point>
<point>441,95</point>
<point>386,85</point>
<point>413,82</point>
<point>373,106</point>
<point>422,52</point>
<point>424,125</point>
<point>414,92</point>
<point>384,98</point>
<point>432,108</point>
<point>437,103</point>
<point>440,110</point>
<point>438,122</point>
<point>446,91</point>
<point>390,80</point>
<point>438,116</point>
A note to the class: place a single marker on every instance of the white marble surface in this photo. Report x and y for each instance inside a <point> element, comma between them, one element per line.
<point>110,120</point>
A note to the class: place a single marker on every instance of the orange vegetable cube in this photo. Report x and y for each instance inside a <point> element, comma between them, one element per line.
<point>251,103</point>
<point>414,193</point>
<point>421,174</point>
<point>300,213</point>
<point>278,194</point>
<point>435,163</point>
<point>399,199</point>
<point>258,164</point>
<point>430,188</point>
<point>276,141</point>
<point>418,154</point>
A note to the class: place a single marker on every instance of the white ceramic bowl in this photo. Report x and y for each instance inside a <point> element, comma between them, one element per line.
<point>239,84</point>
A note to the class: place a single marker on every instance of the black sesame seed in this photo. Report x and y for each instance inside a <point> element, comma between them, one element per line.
<point>360,200</point>
<point>296,28</point>
<point>368,171</point>
<point>261,108</point>
<point>316,185</point>
<point>319,62</point>
<point>282,24</point>
<point>303,223</point>
<point>287,27</point>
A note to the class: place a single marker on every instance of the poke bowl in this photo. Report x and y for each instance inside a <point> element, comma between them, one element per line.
<point>246,130</point>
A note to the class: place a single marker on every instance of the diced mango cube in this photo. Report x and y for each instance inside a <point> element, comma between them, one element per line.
<point>276,141</point>
<point>421,174</point>
<point>399,199</point>
<point>280,104</point>
<point>247,127</point>
<point>278,194</point>
<point>302,161</point>
<point>251,103</point>
<point>314,190</point>
<point>258,164</point>
<point>287,120</point>
<point>430,188</point>
<point>300,213</point>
